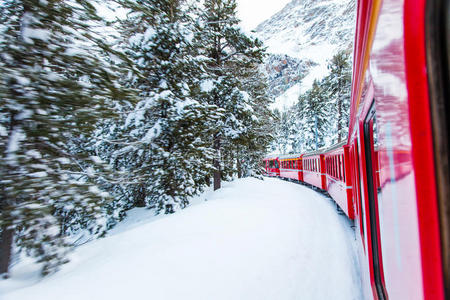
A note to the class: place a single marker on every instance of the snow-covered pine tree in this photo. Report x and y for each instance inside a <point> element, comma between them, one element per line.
<point>284,132</point>
<point>338,84</point>
<point>54,87</point>
<point>259,123</point>
<point>168,131</point>
<point>315,116</point>
<point>227,52</point>
<point>298,123</point>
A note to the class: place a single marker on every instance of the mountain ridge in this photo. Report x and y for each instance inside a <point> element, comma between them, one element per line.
<point>306,34</point>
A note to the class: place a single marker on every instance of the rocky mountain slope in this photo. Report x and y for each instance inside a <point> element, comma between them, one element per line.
<point>301,38</point>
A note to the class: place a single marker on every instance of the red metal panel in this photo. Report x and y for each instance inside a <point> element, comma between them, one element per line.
<point>422,148</point>
<point>348,183</point>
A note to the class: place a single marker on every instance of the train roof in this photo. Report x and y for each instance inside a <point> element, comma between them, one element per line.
<point>275,156</point>
<point>316,152</point>
<point>326,150</point>
<point>335,146</point>
<point>287,156</point>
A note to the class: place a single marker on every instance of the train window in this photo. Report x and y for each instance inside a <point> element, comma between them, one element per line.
<point>333,164</point>
<point>343,168</point>
<point>328,166</point>
<point>337,167</point>
<point>370,144</point>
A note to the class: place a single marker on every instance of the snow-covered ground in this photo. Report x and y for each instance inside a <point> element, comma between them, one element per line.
<point>252,239</point>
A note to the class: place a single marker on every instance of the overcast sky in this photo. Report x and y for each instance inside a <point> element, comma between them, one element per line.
<point>253,12</point>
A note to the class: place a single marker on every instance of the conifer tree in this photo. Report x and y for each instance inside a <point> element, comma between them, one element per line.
<point>316,118</point>
<point>338,84</point>
<point>55,84</point>
<point>168,130</point>
<point>227,54</point>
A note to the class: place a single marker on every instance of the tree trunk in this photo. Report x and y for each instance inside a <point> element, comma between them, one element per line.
<point>6,239</point>
<point>239,167</point>
<point>216,163</point>
<point>141,195</point>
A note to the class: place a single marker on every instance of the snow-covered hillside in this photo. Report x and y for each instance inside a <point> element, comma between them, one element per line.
<point>251,240</point>
<point>311,31</point>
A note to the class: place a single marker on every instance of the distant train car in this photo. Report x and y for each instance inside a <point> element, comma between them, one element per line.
<point>291,166</point>
<point>338,177</point>
<point>272,166</point>
<point>314,169</point>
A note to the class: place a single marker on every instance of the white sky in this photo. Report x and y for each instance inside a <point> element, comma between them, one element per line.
<point>253,12</point>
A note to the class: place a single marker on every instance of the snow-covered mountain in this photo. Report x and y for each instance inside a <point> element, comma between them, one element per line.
<point>307,33</point>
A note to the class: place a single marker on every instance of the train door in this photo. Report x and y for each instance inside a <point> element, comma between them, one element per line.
<point>357,190</point>
<point>373,209</point>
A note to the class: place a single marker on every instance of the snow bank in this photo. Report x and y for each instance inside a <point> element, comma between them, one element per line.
<point>251,240</point>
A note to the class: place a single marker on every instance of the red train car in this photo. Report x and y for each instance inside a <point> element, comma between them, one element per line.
<point>314,169</point>
<point>338,177</point>
<point>399,148</point>
<point>272,166</point>
<point>291,166</point>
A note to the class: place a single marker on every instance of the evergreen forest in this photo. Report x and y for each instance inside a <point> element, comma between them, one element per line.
<point>148,108</point>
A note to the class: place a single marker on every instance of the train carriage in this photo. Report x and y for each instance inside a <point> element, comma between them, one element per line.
<point>399,149</point>
<point>314,169</point>
<point>338,177</point>
<point>271,165</point>
<point>291,166</point>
